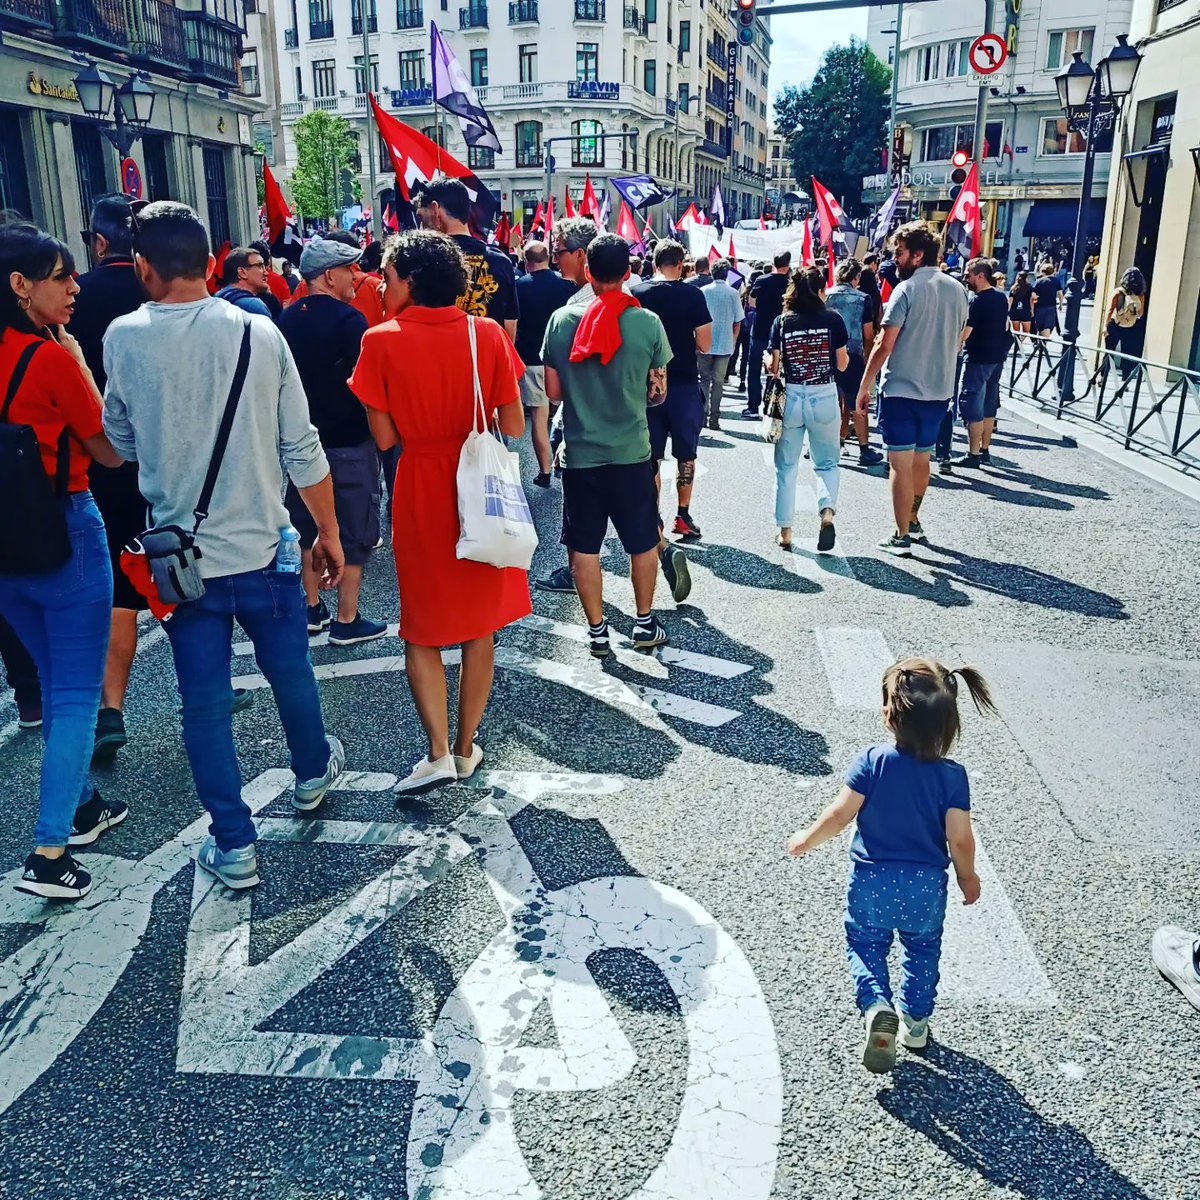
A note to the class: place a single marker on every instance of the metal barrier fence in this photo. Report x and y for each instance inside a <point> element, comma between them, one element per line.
<point>1146,405</point>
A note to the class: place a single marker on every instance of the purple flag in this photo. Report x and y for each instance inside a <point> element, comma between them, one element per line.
<point>455,93</point>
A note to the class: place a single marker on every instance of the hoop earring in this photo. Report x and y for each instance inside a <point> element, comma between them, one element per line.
<point>24,303</point>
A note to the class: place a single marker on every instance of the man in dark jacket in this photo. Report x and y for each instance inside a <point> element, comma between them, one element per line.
<point>245,279</point>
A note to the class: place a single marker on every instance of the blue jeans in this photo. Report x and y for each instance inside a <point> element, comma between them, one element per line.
<point>63,619</point>
<point>886,899</point>
<point>812,407</point>
<point>270,607</point>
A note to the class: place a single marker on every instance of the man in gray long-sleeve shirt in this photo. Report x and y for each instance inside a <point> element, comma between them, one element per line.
<point>170,366</point>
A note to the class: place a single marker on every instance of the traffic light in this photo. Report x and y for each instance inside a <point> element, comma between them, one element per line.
<point>745,21</point>
<point>958,176</point>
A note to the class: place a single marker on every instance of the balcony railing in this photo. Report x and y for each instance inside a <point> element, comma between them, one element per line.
<point>356,22</point>
<point>39,13</point>
<point>635,21</point>
<point>589,10</point>
<point>474,16</point>
<point>156,33</point>
<point>715,149</point>
<point>291,39</point>
<point>96,23</point>
<point>520,12</point>
<point>409,16</point>
<point>529,156</point>
<point>213,49</point>
<point>718,54</point>
<point>715,97</point>
<point>320,29</point>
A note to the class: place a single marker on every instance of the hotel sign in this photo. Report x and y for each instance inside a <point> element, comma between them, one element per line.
<point>39,85</point>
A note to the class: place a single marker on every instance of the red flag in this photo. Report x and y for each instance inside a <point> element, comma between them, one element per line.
<point>732,252</point>
<point>829,212</point>
<point>539,219</point>
<point>277,207</point>
<point>589,206</point>
<point>416,159</point>
<point>962,224</point>
<point>713,253</point>
<point>570,206</point>
<point>504,231</point>
<point>806,245</point>
<point>389,219</point>
<point>690,217</point>
<point>885,290</point>
<point>762,222</point>
<point>549,215</point>
<point>626,225</point>
<point>214,281</point>
<point>647,233</point>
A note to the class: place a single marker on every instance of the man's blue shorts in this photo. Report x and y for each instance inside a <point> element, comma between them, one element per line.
<point>906,424</point>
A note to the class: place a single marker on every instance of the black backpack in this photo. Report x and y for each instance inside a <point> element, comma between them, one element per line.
<point>33,534</point>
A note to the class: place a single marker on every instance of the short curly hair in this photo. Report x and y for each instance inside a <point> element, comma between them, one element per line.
<point>918,237</point>
<point>431,263</point>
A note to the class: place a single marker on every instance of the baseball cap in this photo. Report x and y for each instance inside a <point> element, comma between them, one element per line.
<point>321,254</point>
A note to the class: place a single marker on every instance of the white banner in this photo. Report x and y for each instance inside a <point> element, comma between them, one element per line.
<point>759,244</point>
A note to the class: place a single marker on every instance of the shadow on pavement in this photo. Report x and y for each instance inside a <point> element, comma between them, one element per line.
<point>746,568</point>
<point>1041,483</point>
<point>975,1116</point>
<point>978,482</point>
<point>885,576</point>
<point>1026,584</point>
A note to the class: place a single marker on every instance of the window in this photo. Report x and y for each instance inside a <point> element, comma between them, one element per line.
<point>250,86</point>
<point>323,78</point>
<point>624,149</point>
<point>90,159</point>
<point>939,142</point>
<point>529,143</point>
<point>479,74</point>
<point>650,76</point>
<point>587,61</point>
<point>358,74</point>
<point>216,194</point>
<point>957,62</point>
<point>158,179</point>
<point>651,11</point>
<point>412,69</point>
<point>481,157</point>
<point>409,14</point>
<point>320,18</point>
<point>1055,138</point>
<point>685,36</point>
<point>587,148</point>
<point>527,63</point>
<point>927,59</point>
<point>434,134</point>
<point>1063,43</point>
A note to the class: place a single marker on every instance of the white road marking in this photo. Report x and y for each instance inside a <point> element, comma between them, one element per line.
<point>581,677</point>
<point>854,660</point>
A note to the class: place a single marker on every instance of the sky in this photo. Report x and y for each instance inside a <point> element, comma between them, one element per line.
<point>800,41</point>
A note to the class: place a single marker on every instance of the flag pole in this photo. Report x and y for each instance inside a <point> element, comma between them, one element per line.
<point>368,90</point>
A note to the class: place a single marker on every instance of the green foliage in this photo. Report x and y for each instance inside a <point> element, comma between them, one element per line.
<point>259,182</point>
<point>324,146</point>
<point>836,128</point>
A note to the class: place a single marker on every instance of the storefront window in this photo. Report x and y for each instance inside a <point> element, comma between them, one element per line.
<point>217,195</point>
<point>14,183</point>
<point>154,154</point>
<point>91,160</point>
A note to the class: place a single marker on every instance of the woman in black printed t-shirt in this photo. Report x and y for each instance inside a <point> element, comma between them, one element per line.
<point>808,342</point>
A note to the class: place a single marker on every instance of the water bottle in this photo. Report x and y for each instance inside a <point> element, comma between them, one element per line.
<point>287,556</point>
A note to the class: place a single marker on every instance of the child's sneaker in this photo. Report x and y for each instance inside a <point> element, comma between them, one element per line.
<point>913,1033</point>
<point>879,1056</point>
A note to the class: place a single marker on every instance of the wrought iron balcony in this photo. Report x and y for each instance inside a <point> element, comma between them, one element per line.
<point>356,22</point>
<point>156,33</point>
<point>213,49</point>
<point>38,14</point>
<point>718,54</point>
<point>589,10</point>
<point>95,23</point>
<point>409,16</point>
<point>520,12</point>
<point>320,29</point>
<point>291,39</point>
<point>474,16</point>
<point>635,21</point>
<point>714,149</point>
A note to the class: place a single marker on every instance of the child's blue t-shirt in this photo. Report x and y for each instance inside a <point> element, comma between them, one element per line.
<point>903,818</point>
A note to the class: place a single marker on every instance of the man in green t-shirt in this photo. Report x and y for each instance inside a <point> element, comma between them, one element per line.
<point>603,361</point>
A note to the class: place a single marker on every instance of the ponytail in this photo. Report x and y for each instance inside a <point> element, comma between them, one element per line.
<point>976,685</point>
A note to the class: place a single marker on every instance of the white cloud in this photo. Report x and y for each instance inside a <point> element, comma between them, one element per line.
<point>801,40</point>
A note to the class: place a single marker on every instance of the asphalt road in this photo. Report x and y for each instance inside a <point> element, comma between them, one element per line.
<point>595,974</point>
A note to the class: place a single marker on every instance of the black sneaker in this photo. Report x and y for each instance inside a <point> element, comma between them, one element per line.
<point>868,457</point>
<point>242,699</point>
<point>675,571</point>
<point>319,617</point>
<point>945,466</point>
<point>94,817</point>
<point>110,734</point>
<point>600,647</point>
<point>900,547</point>
<point>749,414</point>
<point>647,639</point>
<point>542,479</point>
<point>559,580</point>
<point>828,535</point>
<point>966,460</point>
<point>985,457</point>
<point>54,878</point>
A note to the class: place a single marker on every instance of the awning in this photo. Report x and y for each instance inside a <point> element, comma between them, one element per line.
<point>1056,218</point>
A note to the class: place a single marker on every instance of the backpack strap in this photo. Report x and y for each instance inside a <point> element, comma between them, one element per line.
<point>17,377</point>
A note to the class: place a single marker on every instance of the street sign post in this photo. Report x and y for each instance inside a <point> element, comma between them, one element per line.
<point>988,53</point>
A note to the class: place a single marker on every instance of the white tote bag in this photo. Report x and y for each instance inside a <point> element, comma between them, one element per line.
<point>493,513</point>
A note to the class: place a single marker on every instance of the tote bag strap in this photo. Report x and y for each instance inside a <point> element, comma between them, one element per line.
<point>479,411</point>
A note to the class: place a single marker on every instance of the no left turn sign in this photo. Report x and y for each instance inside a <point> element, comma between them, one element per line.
<point>987,54</point>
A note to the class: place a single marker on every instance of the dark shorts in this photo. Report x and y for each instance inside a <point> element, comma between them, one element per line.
<point>115,490</point>
<point>849,380</point>
<point>979,397</point>
<point>1045,318</point>
<point>907,424</point>
<point>681,418</point>
<point>623,494</point>
<point>355,472</point>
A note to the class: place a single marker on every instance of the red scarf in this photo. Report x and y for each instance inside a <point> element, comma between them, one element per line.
<point>600,330</point>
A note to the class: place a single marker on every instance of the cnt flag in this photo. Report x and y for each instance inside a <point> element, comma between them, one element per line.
<point>716,208</point>
<point>962,225</point>
<point>417,159</point>
<point>883,221</point>
<point>640,191</point>
<point>454,92</point>
<point>539,219</point>
<point>829,212</point>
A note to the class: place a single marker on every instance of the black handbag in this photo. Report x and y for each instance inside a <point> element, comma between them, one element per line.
<point>33,535</point>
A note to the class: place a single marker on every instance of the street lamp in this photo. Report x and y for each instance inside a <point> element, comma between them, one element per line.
<point>1084,94</point>
<point>129,115</point>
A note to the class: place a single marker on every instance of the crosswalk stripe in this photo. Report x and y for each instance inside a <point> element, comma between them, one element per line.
<point>854,661</point>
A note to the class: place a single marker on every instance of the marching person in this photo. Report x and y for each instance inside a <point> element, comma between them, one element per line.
<point>725,308</point>
<point>857,310</point>
<point>1126,307</point>
<point>767,293</point>
<point>244,276</point>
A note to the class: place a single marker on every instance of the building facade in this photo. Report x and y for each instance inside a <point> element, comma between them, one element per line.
<point>783,191</point>
<point>573,87</point>
<point>197,147</point>
<point>1152,220</point>
<point>1032,168</point>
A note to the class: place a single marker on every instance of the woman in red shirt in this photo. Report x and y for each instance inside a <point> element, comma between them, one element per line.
<point>62,617</point>
<point>414,376</point>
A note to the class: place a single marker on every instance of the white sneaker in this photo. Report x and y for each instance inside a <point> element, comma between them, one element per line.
<point>879,1054</point>
<point>427,775</point>
<point>1176,954</point>
<point>913,1033</point>
<point>466,767</point>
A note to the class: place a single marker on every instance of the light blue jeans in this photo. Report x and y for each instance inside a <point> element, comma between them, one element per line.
<point>811,407</point>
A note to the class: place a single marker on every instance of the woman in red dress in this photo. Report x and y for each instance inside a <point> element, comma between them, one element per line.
<point>414,376</point>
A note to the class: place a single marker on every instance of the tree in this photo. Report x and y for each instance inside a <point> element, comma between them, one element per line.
<point>324,148</point>
<point>259,182</point>
<point>836,128</point>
